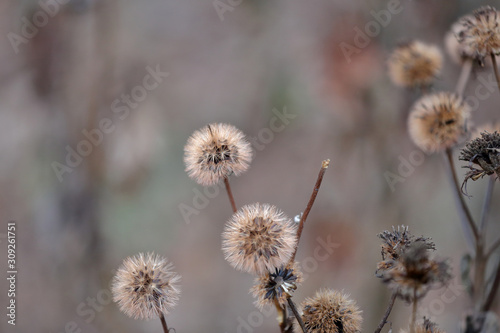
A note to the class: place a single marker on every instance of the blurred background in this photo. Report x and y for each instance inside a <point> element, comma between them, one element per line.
<point>134,79</point>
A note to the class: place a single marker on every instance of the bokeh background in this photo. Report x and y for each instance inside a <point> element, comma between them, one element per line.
<point>234,64</point>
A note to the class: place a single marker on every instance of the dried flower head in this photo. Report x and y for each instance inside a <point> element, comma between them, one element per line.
<point>484,152</point>
<point>277,286</point>
<point>330,311</point>
<point>216,151</point>
<point>487,127</point>
<point>258,238</point>
<point>457,50</point>
<point>415,64</point>
<point>438,121</point>
<point>395,244</point>
<point>145,286</point>
<point>415,273</point>
<point>479,33</point>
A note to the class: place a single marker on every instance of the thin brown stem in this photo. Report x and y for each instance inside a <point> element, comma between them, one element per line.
<point>495,69</point>
<point>468,224</point>
<point>324,166</point>
<point>464,77</point>
<point>413,311</point>
<point>486,205</point>
<point>387,313</point>
<point>163,323</point>
<point>230,194</point>
<point>296,314</point>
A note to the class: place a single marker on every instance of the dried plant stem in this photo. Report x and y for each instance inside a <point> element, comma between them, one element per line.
<point>163,323</point>
<point>297,315</point>
<point>230,194</point>
<point>493,248</point>
<point>468,224</point>
<point>413,311</point>
<point>324,166</point>
<point>486,205</point>
<point>479,273</point>
<point>464,77</point>
<point>282,315</point>
<point>387,313</point>
<point>493,291</point>
<point>495,69</point>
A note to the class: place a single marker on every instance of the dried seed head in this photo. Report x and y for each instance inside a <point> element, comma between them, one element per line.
<point>456,49</point>
<point>415,273</point>
<point>415,64</point>
<point>488,127</point>
<point>278,285</point>
<point>426,327</point>
<point>216,151</point>
<point>395,244</point>
<point>330,311</point>
<point>438,121</point>
<point>145,286</point>
<point>479,33</point>
<point>259,238</point>
<point>484,152</point>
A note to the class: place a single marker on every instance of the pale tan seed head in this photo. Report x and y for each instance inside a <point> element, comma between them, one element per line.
<point>438,121</point>
<point>330,311</point>
<point>479,33</point>
<point>259,238</point>
<point>145,286</point>
<point>415,64</point>
<point>216,151</point>
<point>278,285</point>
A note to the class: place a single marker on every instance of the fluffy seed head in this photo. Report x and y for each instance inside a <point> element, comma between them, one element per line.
<point>414,64</point>
<point>415,273</point>
<point>457,50</point>
<point>330,311</point>
<point>479,33</point>
<point>484,153</point>
<point>145,286</point>
<point>259,238</point>
<point>216,151</point>
<point>278,285</point>
<point>438,121</point>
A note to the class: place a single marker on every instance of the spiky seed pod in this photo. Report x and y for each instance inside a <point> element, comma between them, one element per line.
<point>395,244</point>
<point>415,273</point>
<point>438,121</point>
<point>258,238</point>
<point>479,33</point>
<point>415,64</point>
<point>278,285</point>
<point>426,327</point>
<point>145,286</point>
<point>484,152</point>
<point>216,151</point>
<point>330,311</point>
